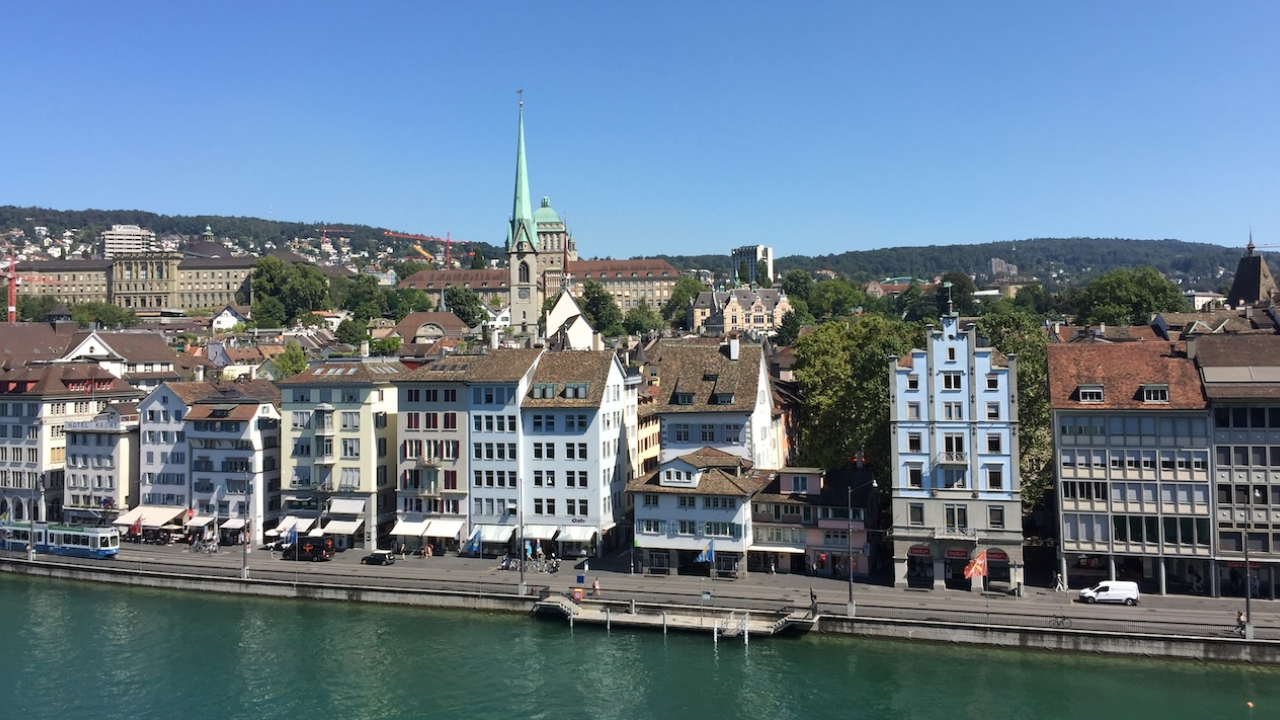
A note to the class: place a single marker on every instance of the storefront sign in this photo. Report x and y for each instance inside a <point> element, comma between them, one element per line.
<point>997,556</point>
<point>958,554</point>
<point>920,551</point>
<point>1238,564</point>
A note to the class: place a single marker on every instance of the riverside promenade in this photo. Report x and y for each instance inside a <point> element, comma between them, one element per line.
<point>1170,626</point>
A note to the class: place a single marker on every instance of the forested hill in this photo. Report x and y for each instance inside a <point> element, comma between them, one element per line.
<point>1053,260</point>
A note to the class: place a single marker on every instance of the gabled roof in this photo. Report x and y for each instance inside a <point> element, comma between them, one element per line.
<point>345,371</point>
<point>1121,370</point>
<point>134,346</point>
<point>704,371</point>
<point>568,367</point>
<point>31,342</point>
<point>642,267</point>
<point>477,280</point>
<point>448,323</point>
<point>503,365</point>
<point>64,380</point>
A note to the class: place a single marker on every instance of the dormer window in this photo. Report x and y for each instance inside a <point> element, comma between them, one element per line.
<point>1155,393</point>
<point>1090,393</point>
<point>722,398</point>
<point>684,398</point>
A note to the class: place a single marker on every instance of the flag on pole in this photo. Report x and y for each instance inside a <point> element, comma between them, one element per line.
<point>136,528</point>
<point>708,553</point>
<point>473,543</point>
<point>292,536</point>
<point>977,567</point>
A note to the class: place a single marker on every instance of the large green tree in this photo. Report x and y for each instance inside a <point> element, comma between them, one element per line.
<point>466,305</point>
<point>292,361</point>
<point>1127,297</point>
<point>798,285</point>
<point>104,314</point>
<point>351,332</point>
<point>676,310</point>
<point>642,319</point>
<point>1022,334</point>
<point>788,329</point>
<point>600,310</point>
<point>762,275</point>
<point>843,372</point>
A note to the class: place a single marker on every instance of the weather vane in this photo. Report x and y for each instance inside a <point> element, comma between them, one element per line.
<point>520,97</point>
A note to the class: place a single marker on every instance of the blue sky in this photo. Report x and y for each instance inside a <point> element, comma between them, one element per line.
<point>659,127</point>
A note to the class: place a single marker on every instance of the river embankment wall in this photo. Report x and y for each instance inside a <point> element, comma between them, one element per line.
<point>1235,650</point>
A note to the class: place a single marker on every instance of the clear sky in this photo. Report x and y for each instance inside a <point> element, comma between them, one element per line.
<point>658,127</point>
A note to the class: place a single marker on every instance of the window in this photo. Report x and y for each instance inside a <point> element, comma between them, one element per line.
<point>350,447</point>
<point>993,411</point>
<point>915,476</point>
<point>951,380</point>
<point>800,484</point>
<point>1090,393</point>
<point>953,410</point>
<point>913,382</point>
<point>413,421</point>
<point>993,382</point>
<point>682,433</point>
<point>913,442</point>
<point>913,411</point>
<point>994,444</point>
<point>957,517</point>
<point>915,513</point>
<point>995,478</point>
<point>708,433</point>
<point>1155,393</point>
<point>995,516</point>
<point>649,500</point>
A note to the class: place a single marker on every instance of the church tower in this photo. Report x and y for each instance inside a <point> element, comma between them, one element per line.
<point>523,249</point>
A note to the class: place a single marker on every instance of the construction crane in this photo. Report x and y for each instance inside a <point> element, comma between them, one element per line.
<point>324,231</point>
<point>447,241</point>
<point>11,273</point>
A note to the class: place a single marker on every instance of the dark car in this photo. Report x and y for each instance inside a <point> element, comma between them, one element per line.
<point>313,550</point>
<point>379,557</point>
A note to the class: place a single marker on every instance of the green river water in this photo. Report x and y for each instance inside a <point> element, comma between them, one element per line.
<point>78,650</point>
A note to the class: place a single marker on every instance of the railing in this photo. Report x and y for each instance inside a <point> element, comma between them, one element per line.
<point>952,458</point>
<point>326,459</point>
<point>428,461</point>
<point>955,533</point>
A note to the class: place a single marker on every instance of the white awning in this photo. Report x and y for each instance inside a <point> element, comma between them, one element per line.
<point>496,533</point>
<point>342,527</point>
<point>304,524</point>
<point>409,528</point>
<point>200,521</point>
<point>316,533</point>
<point>152,516</point>
<point>540,532</point>
<point>777,549</point>
<point>444,528</point>
<point>576,533</point>
<point>283,528</point>
<point>346,506</point>
<point>232,524</point>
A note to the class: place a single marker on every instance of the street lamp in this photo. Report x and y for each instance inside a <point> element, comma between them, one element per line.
<point>849,558</point>
<point>1248,573</point>
<point>244,529</point>
<point>37,487</point>
<point>520,529</point>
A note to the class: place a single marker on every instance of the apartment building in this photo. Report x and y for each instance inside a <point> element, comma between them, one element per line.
<point>101,465</point>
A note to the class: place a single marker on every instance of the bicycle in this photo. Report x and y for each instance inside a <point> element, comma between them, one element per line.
<point>1060,622</point>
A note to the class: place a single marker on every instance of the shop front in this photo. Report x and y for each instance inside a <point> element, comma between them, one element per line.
<point>920,566</point>
<point>999,572</point>
<point>954,563</point>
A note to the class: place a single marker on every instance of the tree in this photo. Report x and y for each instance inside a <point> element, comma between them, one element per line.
<point>104,314</point>
<point>833,298</point>
<point>269,312</point>
<point>477,260</point>
<point>292,361</point>
<point>958,297</point>
<point>842,369</point>
<point>1033,299</point>
<point>407,268</point>
<point>466,305</point>
<point>410,300</point>
<point>686,289</point>
<point>307,290</point>
<point>1127,297</point>
<point>797,285</point>
<point>385,346</point>
<point>351,332</point>
<point>1022,334</point>
<point>744,273</point>
<point>599,308</point>
<point>35,308</point>
<point>641,320</point>
<point>762,275</point>
<point>788,329</point>
<point>913,305</point>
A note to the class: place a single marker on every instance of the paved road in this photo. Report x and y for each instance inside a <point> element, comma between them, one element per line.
<point>1179,615</point>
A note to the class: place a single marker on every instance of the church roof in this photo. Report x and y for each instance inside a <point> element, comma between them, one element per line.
<point>1253,281</point>
<point>545,215</point>
<point>523,228</point>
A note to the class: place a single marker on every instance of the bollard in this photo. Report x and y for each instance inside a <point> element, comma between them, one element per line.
<point>746,629</point>
<point>607,620</point>
<point>715,633</point>
<point>633,606</point>
<point>664,622</point>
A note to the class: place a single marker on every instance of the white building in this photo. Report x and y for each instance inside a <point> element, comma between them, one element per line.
<point>122,239</point>
<point>751,256</point>
<point>102,465</point>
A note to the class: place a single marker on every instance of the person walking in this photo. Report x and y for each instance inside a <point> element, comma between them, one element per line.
<point>1058,585</point>
<point>1240,623</point>
<point>595,587</point>
<point>813,603</point>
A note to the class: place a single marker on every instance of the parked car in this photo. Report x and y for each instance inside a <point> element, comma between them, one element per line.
<point>379,557</point>
<point>313,550</point>
<point>280,544</point>
<point>1116,591</point>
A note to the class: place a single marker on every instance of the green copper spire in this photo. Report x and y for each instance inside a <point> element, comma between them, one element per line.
<point>522,225</point>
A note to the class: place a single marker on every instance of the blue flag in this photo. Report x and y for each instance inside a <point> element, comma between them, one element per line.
<point>292,536</point>
<point>708,554</point>
<point>473,543</point>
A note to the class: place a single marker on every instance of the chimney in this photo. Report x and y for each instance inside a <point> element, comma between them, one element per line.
<point>1191,347</point>
<point>200,373</point>
<point>494,334</point>
<point>364,348</point>
<point>733,346</point>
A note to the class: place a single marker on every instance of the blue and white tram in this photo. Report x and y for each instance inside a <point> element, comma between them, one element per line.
<point>94,542</point>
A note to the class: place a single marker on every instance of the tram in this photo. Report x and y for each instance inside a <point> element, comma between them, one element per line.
<point>77,541</point>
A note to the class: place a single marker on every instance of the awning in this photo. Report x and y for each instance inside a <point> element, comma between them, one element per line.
<point>342,527</point>
<point>409,528</point>
<point>232,524</point>
<point>540,532</point>
<point>283,527</point>
<point>304,524</point>
<point>171,527</point>
<point>444,528</point>
<point>200,521</point>
<point>346,506</point>
<point>152,516</point>
<point>576,533</point>
<point>776,549</point>
<point>496,533</point>
<point>316,533</point>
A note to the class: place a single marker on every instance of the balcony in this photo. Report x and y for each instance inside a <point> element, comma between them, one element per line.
<point>424,490</point>
<point>428,461</point>
<point>955,533</point>
<point>325,429</point>
<point>326,459</point>
<point>952,458</point>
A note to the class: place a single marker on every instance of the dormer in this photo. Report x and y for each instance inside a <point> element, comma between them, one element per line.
<point>1089,393</point>
<point>678,473</point>
<point>1155,393</point>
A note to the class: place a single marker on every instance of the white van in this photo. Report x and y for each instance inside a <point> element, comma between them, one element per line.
<point>1116,591</point>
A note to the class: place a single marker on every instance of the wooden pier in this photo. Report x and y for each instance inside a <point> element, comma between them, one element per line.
<point>720,623</point>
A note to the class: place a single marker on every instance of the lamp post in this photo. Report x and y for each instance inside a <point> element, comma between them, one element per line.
<point>851,608</point>
<point>520,529</point>
<point>1248,572</point>
<point>37,487</point>
<point>244,529</point>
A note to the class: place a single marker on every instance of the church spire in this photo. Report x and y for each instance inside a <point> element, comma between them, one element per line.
<point>522,225</point>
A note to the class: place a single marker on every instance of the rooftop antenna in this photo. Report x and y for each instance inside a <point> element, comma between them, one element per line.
<point>951,310</point>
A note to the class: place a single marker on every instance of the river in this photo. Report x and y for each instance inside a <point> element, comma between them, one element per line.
<point>78,650</point>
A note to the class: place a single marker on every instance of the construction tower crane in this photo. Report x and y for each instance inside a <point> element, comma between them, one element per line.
<point>447,241</point>
<point>324,231</point>
<point>11,274</point>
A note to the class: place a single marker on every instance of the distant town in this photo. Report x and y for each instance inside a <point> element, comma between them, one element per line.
<point>716,420</point>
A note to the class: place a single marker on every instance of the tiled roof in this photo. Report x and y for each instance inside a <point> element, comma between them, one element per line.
<point>237,411</point>
<point>448,323</point>
<point>713,481</point>
<point>1122,369</point>
<point>503,365</point>
<point>571,366</point>
<point>190,392</point>
<point>476,280</point>
<point>702,370</point>
<point>134,345</point>
<point>588,269</point>
<point>1239,367</point>
<point>30,342</point>
<point>55,380</point>
<point>365,371</point>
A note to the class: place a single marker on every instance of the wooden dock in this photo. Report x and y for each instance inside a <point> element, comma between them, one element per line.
<point>720,623</point>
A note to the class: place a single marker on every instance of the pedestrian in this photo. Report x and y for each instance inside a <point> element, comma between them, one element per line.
<point>813,603</point>
<point>773,566</point>
<point>1058,585</point>
<point>1240,622</point>
<point>586,566</point>
<point>595,587</point>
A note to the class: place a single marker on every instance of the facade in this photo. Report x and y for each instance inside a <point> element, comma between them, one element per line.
<point>1131,432</point>
<point>756,312</point>
<point>164,466</point>
<point>630,282</point>
<point>101,465</point>
<point>234,436</point>
<point>338,436</point>
<point>36,403</point>
<point>140,357</point>
<point>807,520</point>
<point>145,282</point>
<point>750,257</point>
<point>697,509</point>
<point>953,414</point>
<point>124,239</point>
<point>711,394</point>
<point>577,451</point>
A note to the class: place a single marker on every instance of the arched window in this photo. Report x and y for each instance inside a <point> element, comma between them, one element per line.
<point>524,272</point>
